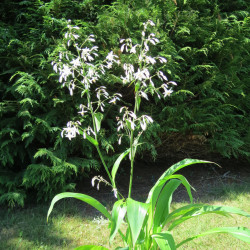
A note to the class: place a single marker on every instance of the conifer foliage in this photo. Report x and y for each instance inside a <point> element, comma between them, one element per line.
<point>207,46</point>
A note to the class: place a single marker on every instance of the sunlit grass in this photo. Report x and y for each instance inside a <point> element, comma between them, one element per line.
<point>72,224</point>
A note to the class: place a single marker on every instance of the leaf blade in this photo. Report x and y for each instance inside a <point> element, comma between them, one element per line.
<point>88,199</point>
<point>136,212</point>
<point>117,163</point>
<point>241,233</point>
<point>118,213</point>
<point>165,240</point>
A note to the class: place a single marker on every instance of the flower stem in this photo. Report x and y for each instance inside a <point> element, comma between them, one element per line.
<point>96,138</point>
<point>131,163</point>
<point>132,148</point>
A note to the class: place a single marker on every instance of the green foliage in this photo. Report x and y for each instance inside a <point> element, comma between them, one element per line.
<point>150,225</point>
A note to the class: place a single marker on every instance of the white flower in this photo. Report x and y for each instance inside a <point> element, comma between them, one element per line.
<point>150,59</point>
<point>167,91</point>
<point>132,124</point>
<point>146,46</point>
<point>115,192</point>
<point>174,83</point>
<point>76,62</point>
<point>133,49</point>
<point>162,59</point>
<point>54,66</point>
<point>121,109</point>
<point>64,73</point>
<point>93,181</point>
<point>144,120</point>
<point>91,38</point>
<point>83,111</point>
<point>124,46</point>
<point>111,56</point>
<point>132,114</point>
<point>120,140</point>
<point>144,95</point>
<point>109,65</point>
<point>75,36</point>
<point>101,91</point>
<point>142,74</point>
<point>148,118</point>
<point>90,131</point>
<point>162,76</point>
<point>143,125</point>
<point>120,125</point>
<point>71,131</point>
<point>115,98</point>
<point>71,87</point>
<point>153,39</point>
<point>102,105</point>
<point>151,23</point>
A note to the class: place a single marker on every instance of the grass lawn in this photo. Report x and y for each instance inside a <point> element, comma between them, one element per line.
<point>73,224</point>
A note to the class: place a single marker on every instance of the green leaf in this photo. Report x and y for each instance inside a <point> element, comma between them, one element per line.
<point>206,209</point>
<point>98,119</point>
<point>163,202</point>
<point>241,233</point>
<point>91,247</point>
<point>181,211</point>
<point>89,138</point>
<point>118,213</point>
<point>136,212</point>
<point>92,140</point>
<point>117,163</point>
<point>88,199</point>
<point>165,240</point>
<point>174,168</point>
<point>138,102</point>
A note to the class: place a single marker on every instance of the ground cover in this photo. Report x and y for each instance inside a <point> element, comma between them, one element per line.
<point>73,223</point>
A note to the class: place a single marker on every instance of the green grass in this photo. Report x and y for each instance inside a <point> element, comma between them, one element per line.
<point>73,224</point>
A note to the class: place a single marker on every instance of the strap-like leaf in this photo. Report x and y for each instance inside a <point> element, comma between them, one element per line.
<point>89,138</point>
<point>92,140</point>
<point>163,202</point>
<point>174,168</point>
<point>241,233</point>
<point>88,199</point>
<point>98,119</point>
<point>205,209</point>
<point>118,213</point>
<point>136,212</point>
<point>181,211</point>
<point>117,163</point>
<point>165,240</point>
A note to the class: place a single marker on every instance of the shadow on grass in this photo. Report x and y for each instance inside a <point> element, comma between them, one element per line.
<point>28,229</point>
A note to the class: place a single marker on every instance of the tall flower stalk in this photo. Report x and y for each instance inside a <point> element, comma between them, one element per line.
<point>142,77</point>
<point>80,71</point>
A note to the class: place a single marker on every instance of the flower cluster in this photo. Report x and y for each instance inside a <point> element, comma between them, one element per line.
<point>80,71</point>
<point>142,72</point>
<point>141,76</point>
<point>81,67</point>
